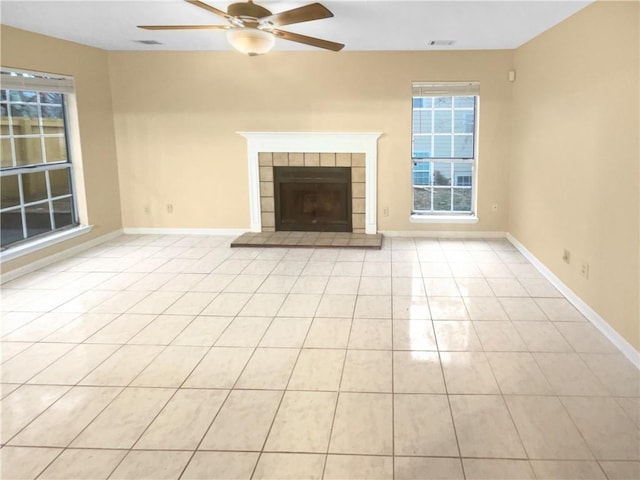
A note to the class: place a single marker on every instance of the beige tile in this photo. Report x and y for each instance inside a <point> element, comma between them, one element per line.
<point>375,286</point>
<point>518,374</point>
<point>499,337</point>
<point>358,159</point>
<point>72,367</point>
<point>123,366</point>
<point>413,335</point>
<point>484,427</point>
<point>327,159</point>
<point>81,328</point>
<point>191,303</point>
<point>203,331</point>
<point>522,309</point>
<point>408,286</point>
<point>125,419</point>
<point>84,464</point>
<point>621,470</point>
<point>447,308</point>
<point>616,373</point>
<point>286,332</point>
<point>269,368</point>
<point>367,371</point>
<point>410,308</point>
<point>214,282</point>
<point>11,349</point>
<point>280,159</point>
<point>277,284</point>
<point>328,333</point>
<point>484,308</point>
<point>121,302</point>
<point>631,406</point>
<point>24,404</point>
<point>156,465</point>
<point>182,282</point>
<point>370,335</point>
<point>568,374</point>
<point>162,330</point>
<point>542,337</point>
<point>564,470</point>
<point>311,159</point>
<point>296,159</point>
<point>170,368</point>
<point>265,159</point>
<point>220,368</point>
<point>41,327</point>
<point>122,329</point>
<point>299,305</point>
<point>417,372</point>
<point>363,424</point>
<point>480,469</point>
<point>244,332</point>
<point>245,283</point>
<point>244,421</point>
<point>435,270</point>
<point>263,304</point>
<point>318,268</point>
<point>545,428</point>
<point>424,468</point>
<point>25,463</point>
<point>227,465</point>
<point>66,418</point>
<point>376,268</point>
<point>318,370</point>
<point>343,159</point>
<point>183,421</point>
<point>539,287</point>
<point>355,467</point>
<point>303,422</point>
<point>559,310</point>
<point>341,306</point>
<point>608,431</point>
<point>456,336</point>
<point>266,174</point>
<point>32,360</point>
<point>7,388</point>
<point>226,304</point>
<point>423,426</point>
<point>468,372</point>
<point>289,466</point>
<point>471,287</point>
<point>584,337</point>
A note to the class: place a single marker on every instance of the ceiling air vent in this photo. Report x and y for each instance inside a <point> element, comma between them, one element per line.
<point>441,43</point>
<point>148,42</point>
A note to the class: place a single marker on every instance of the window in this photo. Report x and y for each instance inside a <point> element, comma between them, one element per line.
<point>443,148</point>
<point>36,170</point>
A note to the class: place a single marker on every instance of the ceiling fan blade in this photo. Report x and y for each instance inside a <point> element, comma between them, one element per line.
<point>185,27</point>
<point>314,11</point>
<point>315,42</point>
<point>208,7</point>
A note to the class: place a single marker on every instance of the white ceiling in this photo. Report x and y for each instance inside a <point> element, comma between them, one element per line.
<point>360,24</point>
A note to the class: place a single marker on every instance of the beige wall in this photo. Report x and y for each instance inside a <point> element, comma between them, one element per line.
<point>89,66</point>
<point>574,168</point>
<point>177,114</point>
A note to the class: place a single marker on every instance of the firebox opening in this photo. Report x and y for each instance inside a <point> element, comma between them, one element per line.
<point>312,199</point>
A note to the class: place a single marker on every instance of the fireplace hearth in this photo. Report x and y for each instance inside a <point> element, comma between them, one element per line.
<point>312,199</point>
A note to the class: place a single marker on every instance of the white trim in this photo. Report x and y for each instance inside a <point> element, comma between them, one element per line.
<point>56,257</point>
<point>36,244</point>
<point>416,218</point>
<point>600,323</point>
<point>185,231</point>
<point>442,234</point>
<point>316,142</point>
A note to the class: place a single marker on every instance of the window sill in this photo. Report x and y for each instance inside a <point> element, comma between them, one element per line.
<point>44,242</point>
<point>443,219</point>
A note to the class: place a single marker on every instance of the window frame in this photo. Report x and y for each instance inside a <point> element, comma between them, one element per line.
<point>445,89</point>
<point>39,82</point>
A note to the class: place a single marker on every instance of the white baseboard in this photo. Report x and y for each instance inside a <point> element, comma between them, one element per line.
<point>441,234</point>
<point>56,257</point>
<point>185,231</point>
<point>600,323</point>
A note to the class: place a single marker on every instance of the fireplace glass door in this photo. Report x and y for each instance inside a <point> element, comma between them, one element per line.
<point>312,199</point>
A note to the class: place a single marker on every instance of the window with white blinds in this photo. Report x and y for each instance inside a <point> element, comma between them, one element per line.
<point>443,147</point>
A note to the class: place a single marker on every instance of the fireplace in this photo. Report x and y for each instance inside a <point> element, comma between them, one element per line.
<point>312,199</point>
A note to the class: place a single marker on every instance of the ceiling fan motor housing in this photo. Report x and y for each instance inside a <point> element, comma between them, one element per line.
<point>247,9</point>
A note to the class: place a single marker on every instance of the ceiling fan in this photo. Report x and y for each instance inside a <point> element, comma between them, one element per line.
<point>252,29</point>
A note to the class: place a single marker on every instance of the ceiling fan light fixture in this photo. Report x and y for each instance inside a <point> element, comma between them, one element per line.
<point>251,41</point>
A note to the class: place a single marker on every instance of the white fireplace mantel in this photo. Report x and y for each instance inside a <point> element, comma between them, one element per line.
<point>314,142</point>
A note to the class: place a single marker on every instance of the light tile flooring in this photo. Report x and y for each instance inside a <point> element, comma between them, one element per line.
<point>161,357</point>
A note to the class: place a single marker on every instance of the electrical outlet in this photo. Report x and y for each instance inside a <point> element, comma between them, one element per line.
<point>566,256</point>
<point>147,209</point>
<point>494,207</point>
<point>170,208</point>
<point>584,270</point>
<point>385,212</point>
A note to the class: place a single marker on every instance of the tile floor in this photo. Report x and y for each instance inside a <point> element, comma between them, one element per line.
<point>308,239</point>
<point>162,357</point>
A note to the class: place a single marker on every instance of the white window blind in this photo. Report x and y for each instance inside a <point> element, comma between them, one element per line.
<point>444,89</point>
<point>39,82</point>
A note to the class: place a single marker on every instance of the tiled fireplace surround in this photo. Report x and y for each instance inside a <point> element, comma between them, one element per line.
<point>268,160</point>
<point>313,149</point>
